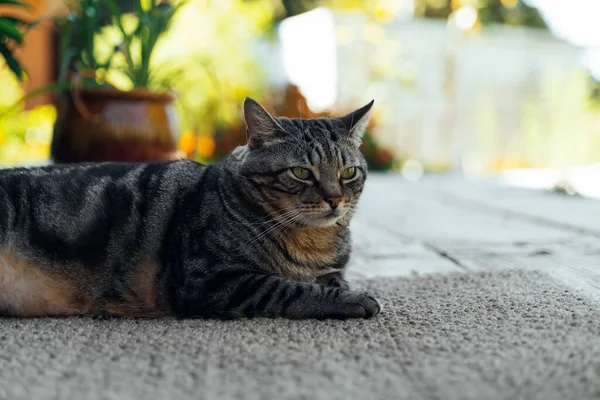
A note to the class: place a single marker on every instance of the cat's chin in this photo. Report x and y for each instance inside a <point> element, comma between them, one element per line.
<point>323,222</point>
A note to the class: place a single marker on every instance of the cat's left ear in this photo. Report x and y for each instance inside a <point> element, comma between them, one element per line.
<point>357,122</point>
<point>260,125</point>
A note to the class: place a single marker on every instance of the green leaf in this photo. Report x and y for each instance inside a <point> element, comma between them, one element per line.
<point>127,72</point>
<point>66,61</point>
<point>19,21</point>
<point>7,28</point>
<point>90,26</point>
<point>15,3</point>
<point>139,10</point>
<point>67,52</point>
<point>114,9</point>
<point>146,5</point>
<point>11,62</point>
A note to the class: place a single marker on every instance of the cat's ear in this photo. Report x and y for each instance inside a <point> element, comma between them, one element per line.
<point>357,122</point>
<point>260,125</point>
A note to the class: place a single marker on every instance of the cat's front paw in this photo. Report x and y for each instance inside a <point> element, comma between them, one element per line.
<point>356,305</point>
<point>334,281</point>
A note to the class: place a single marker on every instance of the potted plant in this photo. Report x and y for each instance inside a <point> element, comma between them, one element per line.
<point>95,121</point>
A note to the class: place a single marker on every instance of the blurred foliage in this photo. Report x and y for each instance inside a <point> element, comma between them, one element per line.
<point>135,37</point>
<point>215,43</point>
<point>508,12</point>
<point>12,31</point>
<point>595,91</point>
<point>564,188</point>
<point>289,8</point>
<point>136,45</point>
<point>505,12</point>
<point>379,158</point>
<point>24,136</point>
<point>544,132</point>
<point>290,103</point>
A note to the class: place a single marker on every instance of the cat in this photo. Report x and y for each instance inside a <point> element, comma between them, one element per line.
<point>264,233</point>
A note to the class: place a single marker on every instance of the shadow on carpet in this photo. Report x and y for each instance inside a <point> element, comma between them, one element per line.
<point>501,335</point>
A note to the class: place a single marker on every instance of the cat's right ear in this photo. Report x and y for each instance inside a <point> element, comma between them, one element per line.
<point>260,125</point>
<point>357,122</point>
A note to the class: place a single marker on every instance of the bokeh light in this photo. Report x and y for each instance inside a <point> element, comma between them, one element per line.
<point>465,17</point>
<point>412,170</point>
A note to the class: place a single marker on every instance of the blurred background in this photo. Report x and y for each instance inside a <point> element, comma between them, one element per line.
<point>487,88</point>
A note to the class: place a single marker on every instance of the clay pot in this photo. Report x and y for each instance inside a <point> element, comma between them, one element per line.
<point>111,125</point>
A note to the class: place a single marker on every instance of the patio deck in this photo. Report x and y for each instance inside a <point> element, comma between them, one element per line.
<point>447,223</point>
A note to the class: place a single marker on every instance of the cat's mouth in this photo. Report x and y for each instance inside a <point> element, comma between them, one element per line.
<point>327,218</point>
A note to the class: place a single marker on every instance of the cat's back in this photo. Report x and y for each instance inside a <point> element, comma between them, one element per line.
<point>61,200</point>
<point>92,173</point>
<point>69,183</point>
<point>68,196</point>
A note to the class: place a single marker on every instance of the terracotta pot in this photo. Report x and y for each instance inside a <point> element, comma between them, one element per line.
<point>110,125</point>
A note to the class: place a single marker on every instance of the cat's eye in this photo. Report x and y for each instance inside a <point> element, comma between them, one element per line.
<point>301,173</point>
<point>348,173</point>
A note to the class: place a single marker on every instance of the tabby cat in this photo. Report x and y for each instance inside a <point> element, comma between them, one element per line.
<point>262,234</point>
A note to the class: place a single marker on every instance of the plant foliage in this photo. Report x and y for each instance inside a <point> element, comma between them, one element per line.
<point>11,36</point>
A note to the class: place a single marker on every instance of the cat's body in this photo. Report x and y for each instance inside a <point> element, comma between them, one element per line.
<point>245,237</point>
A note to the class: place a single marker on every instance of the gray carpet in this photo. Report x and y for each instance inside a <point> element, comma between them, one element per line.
<point>505,335</point>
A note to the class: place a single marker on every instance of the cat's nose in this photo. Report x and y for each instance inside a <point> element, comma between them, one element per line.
<point>334,201</point>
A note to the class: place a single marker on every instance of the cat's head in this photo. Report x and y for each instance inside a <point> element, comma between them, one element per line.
<point>308,172</point>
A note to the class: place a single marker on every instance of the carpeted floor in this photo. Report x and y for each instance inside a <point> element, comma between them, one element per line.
<point>506,335</point>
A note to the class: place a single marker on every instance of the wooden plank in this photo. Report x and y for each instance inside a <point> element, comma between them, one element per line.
<point>421,264</point>
<point>376,253</point>
<point>573,213</point>
<point>414,211</point>
<point>574,264</point>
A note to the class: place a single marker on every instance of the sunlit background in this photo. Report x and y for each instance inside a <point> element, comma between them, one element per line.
<point>501,88</point>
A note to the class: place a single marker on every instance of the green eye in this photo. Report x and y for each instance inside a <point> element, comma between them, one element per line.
<point>301,173</point>
<point>348,173</point>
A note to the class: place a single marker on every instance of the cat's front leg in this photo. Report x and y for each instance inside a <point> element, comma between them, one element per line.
<point>229,294</point>
<point>334,279</point>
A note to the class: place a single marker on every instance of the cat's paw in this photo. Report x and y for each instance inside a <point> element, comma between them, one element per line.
<point>356,305</point>
<point>335,282</point>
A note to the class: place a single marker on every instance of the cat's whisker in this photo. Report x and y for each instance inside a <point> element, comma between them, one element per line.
<point>278,226</point>
<point>292,222</point>
<point>271,228</point>
<point>272,220</point>
<point>274,217</point>
<point>301,221</point>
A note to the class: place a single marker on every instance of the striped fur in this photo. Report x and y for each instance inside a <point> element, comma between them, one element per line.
<point>245,237</point>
